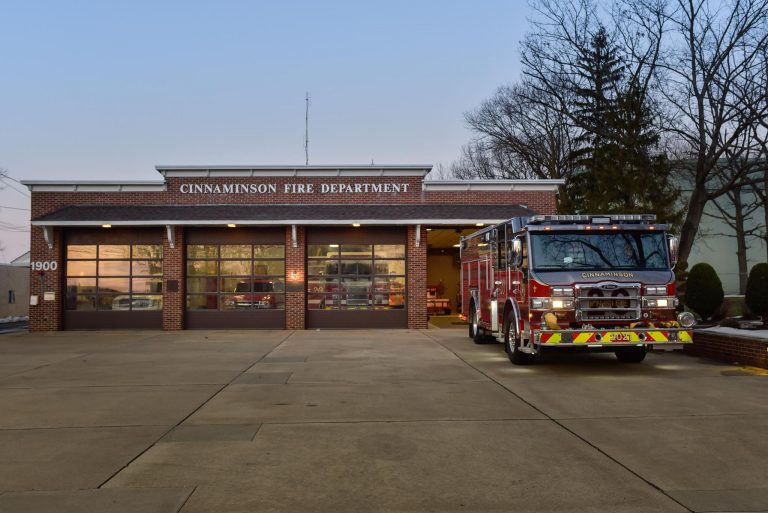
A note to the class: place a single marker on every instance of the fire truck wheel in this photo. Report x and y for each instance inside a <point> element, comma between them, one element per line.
<point>472,321</point>
<point>476,332</point>
<point>512,345</point>
<point>631,354</point>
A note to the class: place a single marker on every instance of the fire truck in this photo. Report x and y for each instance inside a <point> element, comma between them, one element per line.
<point>596,283</point>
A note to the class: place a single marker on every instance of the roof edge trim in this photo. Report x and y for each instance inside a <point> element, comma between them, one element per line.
<point>174,171</point>
<point>492,185</point>
<point>94,186</point>
<point>280,222</point>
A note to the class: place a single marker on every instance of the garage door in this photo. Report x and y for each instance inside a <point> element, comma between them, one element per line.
<point>113,279</point>
<point>356,278</point>
<point>235,278</point>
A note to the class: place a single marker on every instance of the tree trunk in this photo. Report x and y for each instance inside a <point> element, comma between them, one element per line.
<point>765,215</point>
<point>741,241</point>
<point>690,228</point>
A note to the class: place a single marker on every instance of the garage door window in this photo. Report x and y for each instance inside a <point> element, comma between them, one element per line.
<point>355,276</point>
<point>235,277</point>
<point>114,277</point>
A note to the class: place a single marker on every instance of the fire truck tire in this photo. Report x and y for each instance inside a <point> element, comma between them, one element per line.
<point>476,332</point>
<point>512,345</point>
<point>472,320</point>
<point>631,354</point>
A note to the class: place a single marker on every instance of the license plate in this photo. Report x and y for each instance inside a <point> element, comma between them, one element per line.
<point>618,337</point>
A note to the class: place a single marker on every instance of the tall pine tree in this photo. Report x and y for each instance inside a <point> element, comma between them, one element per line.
<point>616,169</point>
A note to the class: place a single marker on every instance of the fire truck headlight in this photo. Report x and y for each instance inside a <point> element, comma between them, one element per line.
<point>562,291</point>
<point>686,319</point>
<point>656,291</point>
<point>559,304</point>
<point>539,303</point>
<point>661,302</point>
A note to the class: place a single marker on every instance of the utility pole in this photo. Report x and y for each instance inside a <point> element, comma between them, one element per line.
<point>306,131</point>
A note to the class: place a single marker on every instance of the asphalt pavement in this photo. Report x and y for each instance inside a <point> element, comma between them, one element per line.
<point>359,421</point>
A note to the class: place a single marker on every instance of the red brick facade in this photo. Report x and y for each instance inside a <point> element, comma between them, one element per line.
<point>174,281</point>
<point>417,279</point>
<point>729,348</point>
<point>295,296</point>
<point>541,202</point>
<point>47,315</point>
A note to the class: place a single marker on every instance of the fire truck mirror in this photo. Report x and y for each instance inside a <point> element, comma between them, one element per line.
<point>674,246</point>
<point>516,252</point>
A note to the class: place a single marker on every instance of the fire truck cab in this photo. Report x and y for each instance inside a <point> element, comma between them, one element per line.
<point>600,283</point>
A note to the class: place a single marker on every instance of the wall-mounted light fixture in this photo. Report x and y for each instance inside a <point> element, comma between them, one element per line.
<point>356,225</point>
<point>231,225</point>
<point>106,226</point>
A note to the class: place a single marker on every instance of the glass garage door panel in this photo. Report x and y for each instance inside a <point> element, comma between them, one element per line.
<point>118,277</point>
<point>355,277</point>
<point>235,277</point>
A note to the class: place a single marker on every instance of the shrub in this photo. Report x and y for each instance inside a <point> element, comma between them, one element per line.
<point>756,296</point>
<point>703,290</point>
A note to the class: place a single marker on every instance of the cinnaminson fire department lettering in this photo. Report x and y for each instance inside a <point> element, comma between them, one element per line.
<point>294,188</point>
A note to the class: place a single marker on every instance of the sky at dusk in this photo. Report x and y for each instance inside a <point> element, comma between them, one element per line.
<point>107,90</point>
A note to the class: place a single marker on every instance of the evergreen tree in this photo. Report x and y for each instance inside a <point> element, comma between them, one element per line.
<point>616,169</point>
<point>594,111</point>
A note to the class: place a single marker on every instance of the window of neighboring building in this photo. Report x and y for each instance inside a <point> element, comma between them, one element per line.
<point>114,277</point>
<point>235,276</point>
<point>355,276</point>
<point>11,296</point>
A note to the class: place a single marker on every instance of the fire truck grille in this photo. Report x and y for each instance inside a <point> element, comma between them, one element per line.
<point>608,301</point>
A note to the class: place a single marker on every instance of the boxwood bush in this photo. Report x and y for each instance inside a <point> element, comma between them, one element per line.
<point>756,295</point>
<point>703,290</point>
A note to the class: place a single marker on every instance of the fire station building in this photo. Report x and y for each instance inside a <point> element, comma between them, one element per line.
<point>228,247</point>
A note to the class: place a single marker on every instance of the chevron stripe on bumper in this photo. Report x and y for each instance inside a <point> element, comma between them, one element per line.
<point>613,337</point>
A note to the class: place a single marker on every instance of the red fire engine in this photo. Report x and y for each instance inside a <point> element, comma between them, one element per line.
<point>601,283</point>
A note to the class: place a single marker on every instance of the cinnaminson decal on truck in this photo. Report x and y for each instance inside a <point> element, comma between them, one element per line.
<point>608,274</point>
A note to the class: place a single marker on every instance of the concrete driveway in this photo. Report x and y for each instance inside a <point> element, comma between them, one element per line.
<point>357,421</point>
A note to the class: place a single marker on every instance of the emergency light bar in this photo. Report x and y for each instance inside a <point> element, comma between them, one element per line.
<point>591,219</point>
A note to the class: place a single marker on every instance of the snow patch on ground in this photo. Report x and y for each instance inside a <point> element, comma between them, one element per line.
<point>4,320</point>
<point>761,334</point>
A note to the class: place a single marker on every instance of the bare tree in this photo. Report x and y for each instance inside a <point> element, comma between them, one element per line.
<point>710,76</point>
<point>759,132</point>
<point>521,134</point>
<point>759,184</point>
<point>440,172</point>
<point>735,211</point>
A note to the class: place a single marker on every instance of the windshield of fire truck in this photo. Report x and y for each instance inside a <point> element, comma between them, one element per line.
<point>563,251</point>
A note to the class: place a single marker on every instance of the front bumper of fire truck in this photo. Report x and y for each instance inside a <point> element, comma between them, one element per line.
<point>612,337</point>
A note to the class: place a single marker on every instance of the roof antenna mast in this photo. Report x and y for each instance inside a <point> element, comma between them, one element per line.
<point>306,131</point>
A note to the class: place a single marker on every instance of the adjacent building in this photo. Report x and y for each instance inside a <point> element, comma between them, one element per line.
<point>14,285</point>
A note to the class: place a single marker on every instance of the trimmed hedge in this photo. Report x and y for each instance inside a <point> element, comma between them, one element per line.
<point>703,290</point>
<point>756,295</point>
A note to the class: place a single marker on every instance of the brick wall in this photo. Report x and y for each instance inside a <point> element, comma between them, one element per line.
<point>417,280</point>
<point>47,315</point>
<point>295,295</point>
<point>729,348</point>
<point>174,262</point>
<point>540,202</point>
